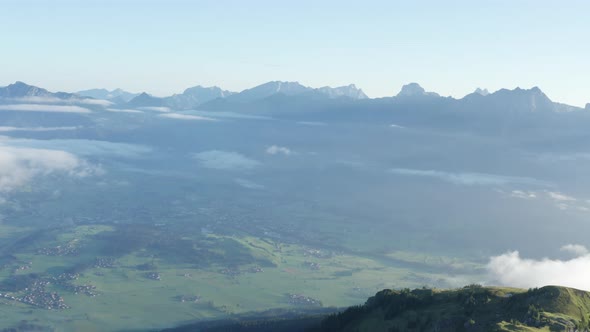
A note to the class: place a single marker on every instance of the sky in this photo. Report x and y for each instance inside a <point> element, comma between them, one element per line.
<point>163,47</point>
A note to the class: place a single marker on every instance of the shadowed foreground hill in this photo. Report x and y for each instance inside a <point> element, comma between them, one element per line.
<point>472,308</point>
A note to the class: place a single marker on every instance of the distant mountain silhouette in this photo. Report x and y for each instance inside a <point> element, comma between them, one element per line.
<point>268,89</point>
<point>189,99</point>
<point>504,112</point>
<point>23,90</point>
<point>117,95</point>
<point>412,105</point>
<point>348,91</point>
<point>195,96</point>
<point>146,100</point>
<point>414,90</point>
<point>483,92</point>
<point>517,100</point>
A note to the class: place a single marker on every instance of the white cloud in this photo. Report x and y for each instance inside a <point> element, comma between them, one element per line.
<point>249,184</point>
<point>120,110</point>
<point>351,163</point>
<point>19,166</point>
<point>311,123</point>
<point>275,149</point>
<point>559,197</point>
<point>512,270</point>
<point>44,108</point>
<point>562,206</point>
<point>37,100</point>
<point>90,101</point>
<point>523,194</point>
<point>185,117</point>
<point>396,126</point>
<point>155,108</point>
<point>220,114</point>
<point>552,157</point>
<point>467,178</point>
<point>83,147</point>
<point>560,200</point>
<point>55,100</point>
<point>575,249</point>
<point>9,129</point>
<point>225,160</point>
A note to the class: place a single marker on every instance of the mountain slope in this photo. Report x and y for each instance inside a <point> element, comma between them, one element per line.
<point>414,90</point>
<point>22,90</point>
<point>117,95</point>
<point>348,91</point>
<point>195,96</point>
<point>413,104</point>
<point>473,308</point>
<point>268,89</point>
<point>146,100</point>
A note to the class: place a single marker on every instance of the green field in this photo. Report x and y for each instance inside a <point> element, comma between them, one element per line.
<point>228,274</point>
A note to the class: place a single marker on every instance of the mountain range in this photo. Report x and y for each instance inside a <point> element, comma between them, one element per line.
<point>290,98</point>
<point>116,96</point>
<point>21,90</point>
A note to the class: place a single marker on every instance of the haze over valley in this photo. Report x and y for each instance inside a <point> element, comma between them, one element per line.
<point>337,195</point>
<point>308,166</point>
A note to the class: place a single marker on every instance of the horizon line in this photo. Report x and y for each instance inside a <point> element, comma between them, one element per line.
<point>518,87</point>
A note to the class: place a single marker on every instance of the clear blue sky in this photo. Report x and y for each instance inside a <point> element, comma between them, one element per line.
<point>162,47</point>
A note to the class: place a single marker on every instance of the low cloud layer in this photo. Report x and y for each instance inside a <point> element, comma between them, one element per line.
<point>123,110</point>
<point>557,196</point>
<point>575,249</point>
<point>18,166</point>
<point>55,100</point>
<point>97,102</point>
<point>44,108</point>
<point>178,116</point>
<point>468,179</point>
<point>311,123</point>
<point>230,115</point>
<point>558,199</point>
<point>10,129</point>
<point>275,149</point>
<point>225,160</point>
<point>554,157</point>
<point>83,147</point>
<point>155,108</point>
<point>511,269</point>
<point>249,184</point>
<point>523,194</point>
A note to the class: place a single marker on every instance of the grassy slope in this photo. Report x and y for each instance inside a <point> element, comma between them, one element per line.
<point>472,308</point>
<point>467,309</point>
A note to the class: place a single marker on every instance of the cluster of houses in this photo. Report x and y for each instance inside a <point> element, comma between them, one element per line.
<point>189,298</point>
<point>312,265</point>
<point>67,249</point>
<point>234,272</point>
<point>104,262</point>
<point>152,276</point>
<point>302,300</point>
<point>36,295</point>
<point>317,253</point>
<point>88,290</point>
